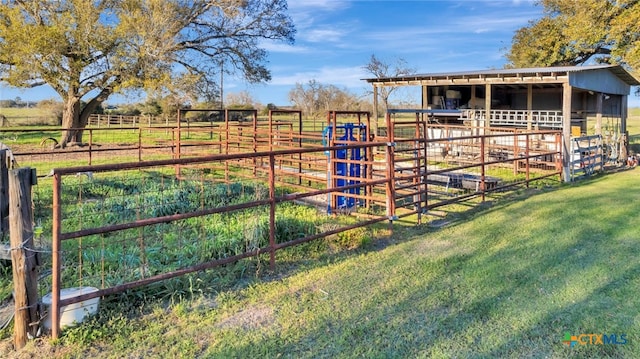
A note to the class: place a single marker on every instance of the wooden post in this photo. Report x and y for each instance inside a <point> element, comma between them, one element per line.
<point>487,108</point>
<point>4,185</point>
<point>624,112</point>
<point>374,128</point>
<point>530,107</point>
<point>566,130</point>
<point>24,260</point>
<point>599,96</point>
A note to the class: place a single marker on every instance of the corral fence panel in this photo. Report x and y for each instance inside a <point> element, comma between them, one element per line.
<point>587,156</point>
<point>196,197</point>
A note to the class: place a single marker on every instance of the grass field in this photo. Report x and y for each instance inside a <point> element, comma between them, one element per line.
<point>508,279</point>
<point>28,116</point>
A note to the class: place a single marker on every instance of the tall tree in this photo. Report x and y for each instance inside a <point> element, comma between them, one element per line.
<point>381,69</point>
<point>86,50</point>
<point>575,32</point>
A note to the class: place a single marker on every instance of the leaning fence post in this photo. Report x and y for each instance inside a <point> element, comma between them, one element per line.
<point>24,260</point>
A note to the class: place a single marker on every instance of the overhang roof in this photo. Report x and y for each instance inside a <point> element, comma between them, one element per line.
<point>559,71</point>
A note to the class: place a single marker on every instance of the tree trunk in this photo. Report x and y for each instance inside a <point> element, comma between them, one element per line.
<point>75,117</point>
<point>71,122</point>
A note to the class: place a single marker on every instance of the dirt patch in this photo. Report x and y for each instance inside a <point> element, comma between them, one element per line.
<point>38,348</point>
<point>248,318</point>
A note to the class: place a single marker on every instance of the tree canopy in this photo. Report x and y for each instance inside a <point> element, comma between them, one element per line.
<point>87,50</point>
<point>577,32</point>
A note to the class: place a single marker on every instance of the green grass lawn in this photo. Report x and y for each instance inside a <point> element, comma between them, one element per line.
<point>508,280</point>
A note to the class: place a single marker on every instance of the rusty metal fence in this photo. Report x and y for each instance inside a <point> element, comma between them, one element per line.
<point>434,165</point>
<point>118,226</point>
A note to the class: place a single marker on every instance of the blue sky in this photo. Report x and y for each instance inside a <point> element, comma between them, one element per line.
<point>336,38</point>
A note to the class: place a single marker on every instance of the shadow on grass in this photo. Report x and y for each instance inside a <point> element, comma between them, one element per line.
<point>512,288</point>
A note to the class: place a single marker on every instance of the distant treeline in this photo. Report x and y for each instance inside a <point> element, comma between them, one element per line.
<point>17,103</point>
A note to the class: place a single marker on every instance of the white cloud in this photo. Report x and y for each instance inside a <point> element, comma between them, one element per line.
<point>306,13</point>
<point>284,48</point>
<point>323,35</point>
<point>314,5</point>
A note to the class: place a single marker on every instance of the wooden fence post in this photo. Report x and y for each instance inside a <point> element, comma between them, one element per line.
<point>4,185</point>
<point>24,260</point>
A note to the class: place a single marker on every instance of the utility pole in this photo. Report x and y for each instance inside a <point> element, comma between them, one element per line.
<point>222,84</point>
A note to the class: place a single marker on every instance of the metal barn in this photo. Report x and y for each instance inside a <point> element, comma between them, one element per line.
<point>579,100</point>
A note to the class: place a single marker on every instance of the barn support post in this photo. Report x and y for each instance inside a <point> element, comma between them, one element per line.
<point>474,100</point>
<point>623,114</point>
<point>374,128</point>
<point>23,257</point>
<point>425,101</point>
<point>474,105</point>
<point>487,108</point>
<point>566,131</point>
<point>599,97</point>
<point>529,106</point>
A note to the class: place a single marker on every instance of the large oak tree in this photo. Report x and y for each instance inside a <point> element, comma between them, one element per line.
<point>575,32</point>
<point>87,50</point>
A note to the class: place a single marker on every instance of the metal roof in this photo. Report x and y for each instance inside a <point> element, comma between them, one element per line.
<point>617,70</point>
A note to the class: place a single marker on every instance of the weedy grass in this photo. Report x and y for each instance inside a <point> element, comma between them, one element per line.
<point>126,255</point>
